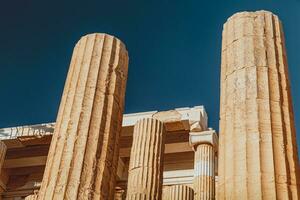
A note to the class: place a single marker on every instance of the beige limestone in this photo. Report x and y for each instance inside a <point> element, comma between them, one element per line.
<point>205,146</point>
<point>146,160</point>
<point>33,196</point>
<point>3,150</point>
<point>120,194</point>
<point>178,192</point>
<point>258,153</point>
<point>83,155</point>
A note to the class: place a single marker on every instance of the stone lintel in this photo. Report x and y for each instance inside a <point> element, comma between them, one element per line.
<point>204,137</point>
<point>188,118</point>
<point>177,177</point>
<point>37,130</point>
<point>179,119</point>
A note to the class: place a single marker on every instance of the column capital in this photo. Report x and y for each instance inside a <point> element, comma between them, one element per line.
<point>204,137</point>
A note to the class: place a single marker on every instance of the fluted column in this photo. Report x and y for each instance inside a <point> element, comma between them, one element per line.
<point>146,161</point>
<point>83,155</point>
<point>3,150</point>
<point>32,197</point>
<point>205,145</point>
<point>120,194</point>
<point>179,192</point>
<point>258,153</point>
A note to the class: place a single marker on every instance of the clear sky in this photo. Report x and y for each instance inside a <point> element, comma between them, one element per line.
<point>174,49</point>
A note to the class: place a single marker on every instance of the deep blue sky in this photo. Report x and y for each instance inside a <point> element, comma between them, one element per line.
<point>174,49</point>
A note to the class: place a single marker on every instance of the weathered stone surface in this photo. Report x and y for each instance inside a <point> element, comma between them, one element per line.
<point>204,178</point>
<point>205,145</point>
<point>38,130</point>
<point>32,197</point>
<point>120,194</point>
<point>83,155</point>
<point>146,160</point>
<point>3,150</point>
<point>258,153</point>
<point>178,192</point>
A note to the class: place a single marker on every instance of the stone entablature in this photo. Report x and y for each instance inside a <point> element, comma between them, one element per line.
<point>175,177</point>
<point>37,130</point>
<point>179,119</point>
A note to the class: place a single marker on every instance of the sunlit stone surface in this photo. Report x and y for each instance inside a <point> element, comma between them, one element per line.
<point>145,175</point>
<point>83,156</point>
<point>258,153</point>
<point>3,150</point>
<point>205,145</point>
<point>179,192</point>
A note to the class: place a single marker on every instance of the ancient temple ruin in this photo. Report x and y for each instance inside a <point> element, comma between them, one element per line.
<point>95,151</point>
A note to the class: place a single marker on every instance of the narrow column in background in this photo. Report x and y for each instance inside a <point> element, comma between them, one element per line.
<point>146,160</point>
<point>205,145</point>
<point>33,196</point>
<point>258,152</point>
<point>83,155</point>
<point>179,192</point>
<point>120,194</point>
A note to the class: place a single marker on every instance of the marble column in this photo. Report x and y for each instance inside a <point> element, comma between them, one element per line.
<point>179,192</point>
<point>83,155</point>
<point>32,197</point>
<point>205,145</point>
<point>120,194</point>
<point>258,152</point>
<point>146,160</point>
<point>3,150</point>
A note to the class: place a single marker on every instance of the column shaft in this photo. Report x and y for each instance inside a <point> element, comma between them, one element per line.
<point>204,170</point>
<point>120,194</point>
<point>32,197</point>
<point>3,150</point>
<point>146,161</point>
<point>179,192</point>
<point>258,153</point>
<point>83,155</point>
